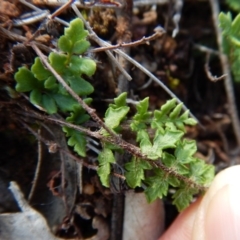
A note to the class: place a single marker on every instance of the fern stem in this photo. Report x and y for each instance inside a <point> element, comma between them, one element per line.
<point>135,151</point>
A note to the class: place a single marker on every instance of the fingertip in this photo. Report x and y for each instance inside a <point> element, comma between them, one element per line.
<point>229,176</point>
<point>223,215</point>
<point>183,225</point>
<point>218,215</point>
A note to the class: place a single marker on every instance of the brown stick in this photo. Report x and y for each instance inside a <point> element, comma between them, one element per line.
<point>226,71</point>
<point>89,110</point>
<point>135,151</point>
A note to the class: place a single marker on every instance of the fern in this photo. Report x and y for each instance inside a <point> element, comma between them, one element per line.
<point>46,92</point>
<point>116,112</point>
<point>158,184</point>
<point>231,41</point>
<point>176,154</point>
<point>135,172</point>
<point>162,160</point>
<point>114,115</point>
<point>234,4</point>
<point>105,158</point>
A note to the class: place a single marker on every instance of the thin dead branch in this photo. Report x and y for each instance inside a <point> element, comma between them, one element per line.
<point>132,149</point>
<point>177,6</point>
<point>109,53</point>
<point>54,145</point>
<point>144,40</point>
<point>39,163</point>
<point>61,9</point>
<point>32,6</point>
<point>101,43</point>
<point>89,110</point>
<point>208,72</point>
<point>226,71</point>
<point>124,35</point>
<point>18,38</point>
<point>94,37</point>
<point>141,3</point>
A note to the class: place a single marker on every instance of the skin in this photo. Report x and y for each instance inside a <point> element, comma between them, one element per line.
<point>214,216</point>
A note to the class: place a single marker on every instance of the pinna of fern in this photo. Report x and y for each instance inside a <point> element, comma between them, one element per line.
<point>167,158</point>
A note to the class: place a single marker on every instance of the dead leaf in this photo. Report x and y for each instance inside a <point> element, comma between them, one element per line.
<point>27,224</point>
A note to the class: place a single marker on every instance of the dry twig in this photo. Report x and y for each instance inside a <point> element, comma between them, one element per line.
<point>208,72</point>
<point>89,110</point>
<point>132,149</point>
<point>226,71</point>
<point>94,37</point>
<point>145,40</point>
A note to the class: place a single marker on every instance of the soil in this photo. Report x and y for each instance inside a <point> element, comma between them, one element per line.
<point>178,61</point>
